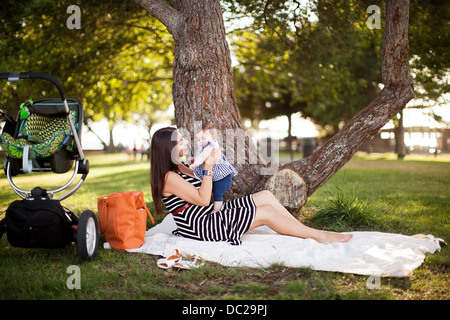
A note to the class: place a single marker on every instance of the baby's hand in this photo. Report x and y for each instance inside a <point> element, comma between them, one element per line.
<point>192,167</point>
<point>213,158</point>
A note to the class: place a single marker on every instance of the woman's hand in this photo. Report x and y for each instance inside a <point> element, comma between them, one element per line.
<point>211,160</point>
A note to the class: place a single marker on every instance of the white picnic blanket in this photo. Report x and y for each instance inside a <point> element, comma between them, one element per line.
<point>367,253</point>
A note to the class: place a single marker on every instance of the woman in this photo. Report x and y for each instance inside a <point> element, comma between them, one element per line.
<point>189,200</point>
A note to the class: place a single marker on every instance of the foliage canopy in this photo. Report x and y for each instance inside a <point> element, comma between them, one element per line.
<point>118,63</point>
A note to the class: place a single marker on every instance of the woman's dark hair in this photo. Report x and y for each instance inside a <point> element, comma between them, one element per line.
<point>161,162</point>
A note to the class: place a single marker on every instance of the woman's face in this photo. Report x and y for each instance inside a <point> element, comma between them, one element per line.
<point>182,145</point>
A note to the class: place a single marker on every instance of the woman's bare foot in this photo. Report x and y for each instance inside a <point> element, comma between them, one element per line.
<point>329,237</point>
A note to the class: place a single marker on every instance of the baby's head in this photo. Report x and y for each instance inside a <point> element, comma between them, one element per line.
<point>208,133</point>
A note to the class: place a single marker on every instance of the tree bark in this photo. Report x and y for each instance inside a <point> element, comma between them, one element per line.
<point>203,89</point>
<point>203,86</point>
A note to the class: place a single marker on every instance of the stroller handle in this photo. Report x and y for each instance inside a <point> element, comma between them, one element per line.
<point>14,76</point>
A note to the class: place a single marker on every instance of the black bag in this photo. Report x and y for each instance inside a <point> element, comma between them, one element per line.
<point>37,223</point>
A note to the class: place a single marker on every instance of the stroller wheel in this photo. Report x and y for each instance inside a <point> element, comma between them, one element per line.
<point>87,235</point>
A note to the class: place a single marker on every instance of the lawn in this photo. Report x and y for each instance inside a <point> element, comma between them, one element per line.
<point>403,196</point>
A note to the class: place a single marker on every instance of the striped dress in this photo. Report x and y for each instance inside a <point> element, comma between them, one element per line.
<point>200,223</point>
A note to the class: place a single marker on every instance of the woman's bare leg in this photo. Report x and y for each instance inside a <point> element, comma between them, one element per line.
<point>270,212</point>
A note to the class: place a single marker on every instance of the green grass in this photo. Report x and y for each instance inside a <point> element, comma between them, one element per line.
<point>370,193</point>
<point>345,212</point>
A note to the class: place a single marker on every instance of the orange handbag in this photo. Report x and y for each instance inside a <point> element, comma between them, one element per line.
<point>122,219</point>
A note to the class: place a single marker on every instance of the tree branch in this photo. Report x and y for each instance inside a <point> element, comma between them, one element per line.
<point>397,92</point>
<point>297,180</point>
<point>395,68</point>
<point>162,11</point>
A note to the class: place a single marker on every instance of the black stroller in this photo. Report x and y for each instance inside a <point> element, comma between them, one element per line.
<point>46,136</point>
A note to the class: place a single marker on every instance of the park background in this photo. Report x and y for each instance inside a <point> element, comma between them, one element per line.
<point>119,63</point>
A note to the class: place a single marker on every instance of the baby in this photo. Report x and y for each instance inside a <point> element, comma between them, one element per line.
<point>222,170</point>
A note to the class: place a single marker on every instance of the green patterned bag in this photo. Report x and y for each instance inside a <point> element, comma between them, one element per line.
<point>44,134</point>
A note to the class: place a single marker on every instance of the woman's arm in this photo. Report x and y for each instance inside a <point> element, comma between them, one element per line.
<point>202,156</point>
<point>184,190</point>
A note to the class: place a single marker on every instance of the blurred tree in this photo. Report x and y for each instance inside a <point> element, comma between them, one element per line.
<point>430,48</point>
<point>332,54</point>
<point>342,54</point>
<point>266,84</point>
<point>117,63</point>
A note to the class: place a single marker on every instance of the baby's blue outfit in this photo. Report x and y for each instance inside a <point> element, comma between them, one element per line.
<point>222,172</point>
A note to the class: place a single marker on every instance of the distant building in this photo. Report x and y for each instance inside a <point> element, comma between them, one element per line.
<point>417,140</point>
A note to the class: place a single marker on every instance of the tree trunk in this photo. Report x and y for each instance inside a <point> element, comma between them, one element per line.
<point>290,138</point>
<point>203,89</point>
<point>203,82</point>
<point>111,147</point>
<point>399,131</point>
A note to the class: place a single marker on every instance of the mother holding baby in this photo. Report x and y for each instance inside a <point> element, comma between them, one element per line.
<point>189,199</point>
